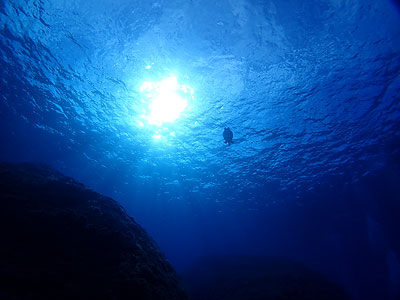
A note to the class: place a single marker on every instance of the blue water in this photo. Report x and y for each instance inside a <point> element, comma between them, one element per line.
<point>310,89</point>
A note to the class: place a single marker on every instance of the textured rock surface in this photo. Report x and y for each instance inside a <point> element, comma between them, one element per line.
<point>257,278</point>
<point>60,240</point>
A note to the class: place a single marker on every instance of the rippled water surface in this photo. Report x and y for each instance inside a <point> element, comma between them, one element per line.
<point>309,88</point>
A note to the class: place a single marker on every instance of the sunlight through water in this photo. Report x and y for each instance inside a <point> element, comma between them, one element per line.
<point>164,101</point>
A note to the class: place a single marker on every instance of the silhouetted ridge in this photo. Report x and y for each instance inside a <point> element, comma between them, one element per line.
<point>60,240</point>
<point>240,277</point>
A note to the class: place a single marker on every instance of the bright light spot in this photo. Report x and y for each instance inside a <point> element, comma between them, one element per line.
<point>166,100</point>
<point>148,67</point>
<point>141,124</point>
<point>157,136</point>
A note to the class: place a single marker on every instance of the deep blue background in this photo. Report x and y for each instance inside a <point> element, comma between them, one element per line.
<point>310,89</point>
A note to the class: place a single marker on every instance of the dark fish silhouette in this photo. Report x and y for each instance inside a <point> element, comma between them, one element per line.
<point>228,136</point>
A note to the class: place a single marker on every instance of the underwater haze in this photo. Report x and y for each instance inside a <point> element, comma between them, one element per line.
<point>132,98</point>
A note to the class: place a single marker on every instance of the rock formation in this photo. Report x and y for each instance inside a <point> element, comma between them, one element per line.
<point>60,240</point>
<point>257,278</point>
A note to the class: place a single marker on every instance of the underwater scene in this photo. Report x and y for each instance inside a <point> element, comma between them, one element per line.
<point>200,149</point>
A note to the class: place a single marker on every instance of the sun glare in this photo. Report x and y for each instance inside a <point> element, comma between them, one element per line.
<point>164,100</point>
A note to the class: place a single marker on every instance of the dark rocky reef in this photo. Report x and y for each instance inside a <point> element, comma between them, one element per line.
<point>60,240</point>
<point>257,278</point>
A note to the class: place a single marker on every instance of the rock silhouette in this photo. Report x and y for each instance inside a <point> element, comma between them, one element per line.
<point>240,277</point>
<point>60,240</point>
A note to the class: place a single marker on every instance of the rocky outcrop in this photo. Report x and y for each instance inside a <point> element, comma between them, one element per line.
<point>60,240</point>
<point>257,278</point>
